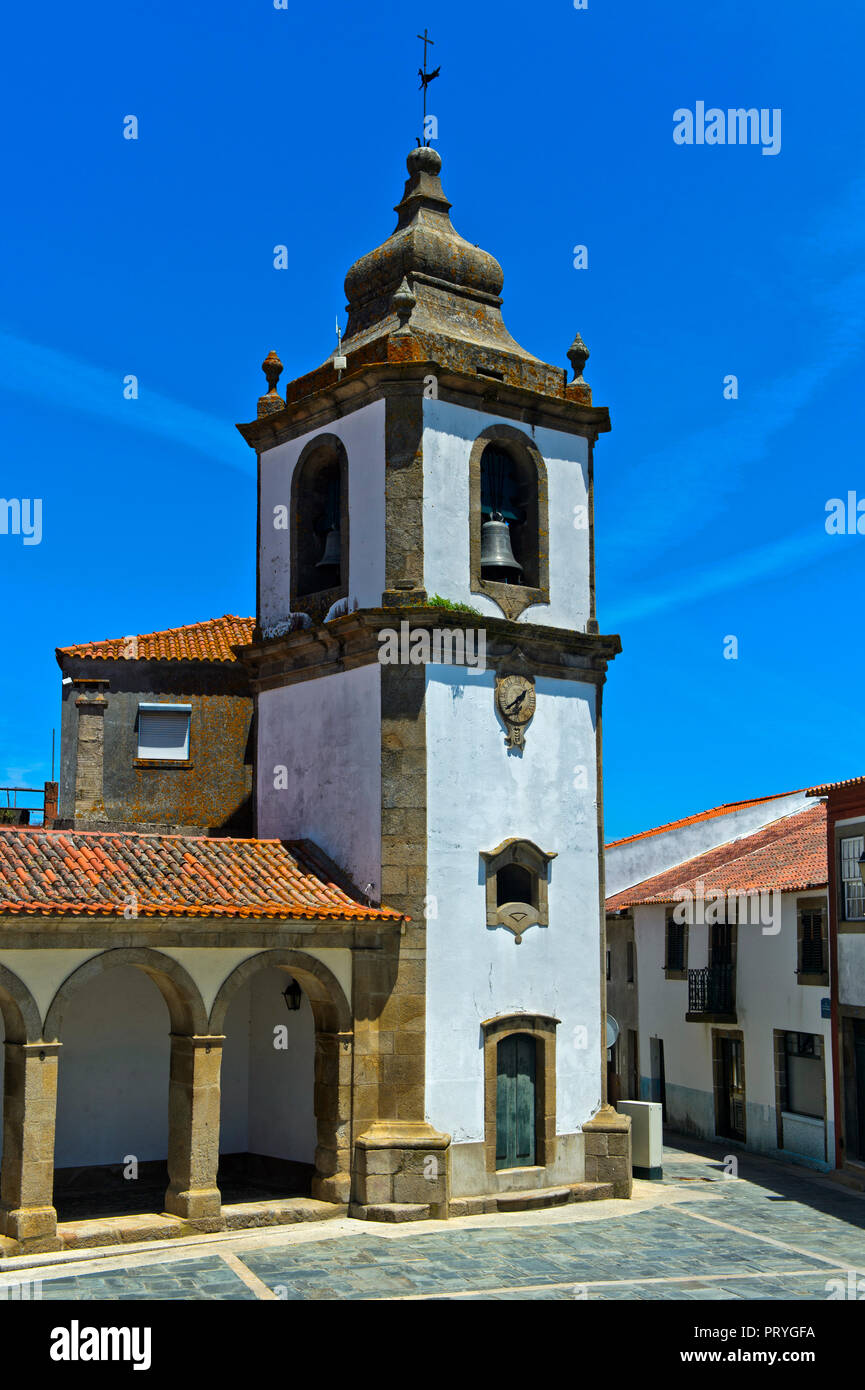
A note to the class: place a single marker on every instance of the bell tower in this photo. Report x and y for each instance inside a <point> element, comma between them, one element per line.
<point>428,674</point>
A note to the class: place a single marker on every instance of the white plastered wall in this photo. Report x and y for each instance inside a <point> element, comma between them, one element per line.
<point>478,795</point>
<point>267,1091</point>
<point>326,733</point>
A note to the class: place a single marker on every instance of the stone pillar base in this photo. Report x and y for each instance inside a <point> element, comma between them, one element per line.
<point>34,1228</point>
<point>201,1206</point>
<point>608,1150</point>
<point>404,1163</point>
<point>333,1189</point>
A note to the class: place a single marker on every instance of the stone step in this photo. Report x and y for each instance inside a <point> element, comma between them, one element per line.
<point>241,1216</point>
<point>8,1247</point>
<point>533,1199</point>
<point>390,1211</point>
<point>121,1230</point>
<point>592,1191</point>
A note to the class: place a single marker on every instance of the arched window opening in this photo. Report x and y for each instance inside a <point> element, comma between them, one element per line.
<point>319,542</point>
<point>517,877</point>
<point>509,522</point>
<point>516,884</point>
<point>503,517</point>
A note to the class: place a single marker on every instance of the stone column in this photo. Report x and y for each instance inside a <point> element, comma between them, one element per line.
<point>333,1067</point>
<point>29,1108</point>
<point>193,1130</point>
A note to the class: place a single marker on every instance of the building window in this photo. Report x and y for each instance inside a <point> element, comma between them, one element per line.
<point>812,965</point>
<point>508,520</point>
<point>163,733</point>
<point>319,526</point>
<point>675,948</point>
<point>609,972</point>
<point>802,1091</point>
<point>517,874</point>
<point>852,887</point>
<point>630,961</point>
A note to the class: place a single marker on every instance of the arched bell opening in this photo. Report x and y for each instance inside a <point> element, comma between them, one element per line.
<point>319,526</point>
<point>509,520</point>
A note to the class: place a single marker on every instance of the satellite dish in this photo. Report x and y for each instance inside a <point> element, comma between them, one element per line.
<point>612,1031</point>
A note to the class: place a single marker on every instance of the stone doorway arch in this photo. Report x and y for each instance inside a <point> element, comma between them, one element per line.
<point>334,1038</point>
<point>191,1079</point>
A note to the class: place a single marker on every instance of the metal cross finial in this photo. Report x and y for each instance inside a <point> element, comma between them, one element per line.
<point>426,77</point>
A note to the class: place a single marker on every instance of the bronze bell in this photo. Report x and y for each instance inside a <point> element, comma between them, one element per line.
<point>496,549</point>
<point>330,554</point>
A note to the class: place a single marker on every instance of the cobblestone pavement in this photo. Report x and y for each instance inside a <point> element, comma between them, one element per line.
<point>772,1233</point>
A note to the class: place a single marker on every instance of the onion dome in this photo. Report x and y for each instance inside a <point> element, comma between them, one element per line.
<point>456,287</point>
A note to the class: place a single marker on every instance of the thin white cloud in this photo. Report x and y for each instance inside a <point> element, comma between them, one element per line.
<point>790,552</point>
<point>29,369</point>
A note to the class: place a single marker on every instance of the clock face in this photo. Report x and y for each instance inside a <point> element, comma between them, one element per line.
<point>516,699</point>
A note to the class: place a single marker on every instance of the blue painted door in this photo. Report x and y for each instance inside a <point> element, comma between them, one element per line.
<point>515,1102</point>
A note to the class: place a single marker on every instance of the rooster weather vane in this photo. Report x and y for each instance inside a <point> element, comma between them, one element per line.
<point>426,77</point>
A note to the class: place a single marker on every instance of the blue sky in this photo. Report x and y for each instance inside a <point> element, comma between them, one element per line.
<point>261,126</point>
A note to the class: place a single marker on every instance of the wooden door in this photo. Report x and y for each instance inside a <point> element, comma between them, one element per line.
<point>733,1089</point>
<point>515,1102</point>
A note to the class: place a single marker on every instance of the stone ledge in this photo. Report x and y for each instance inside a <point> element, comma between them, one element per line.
<point>121,1230</point>
<point>529,1199</point>
<point>402,1134</point>
<point>245,1215</point>
<point>532,1199</point>
<point>390,1211</point>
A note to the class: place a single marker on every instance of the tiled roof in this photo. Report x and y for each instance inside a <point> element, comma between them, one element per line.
<point>97,874</point>
<point>701,815</point>
<point>835,786</point>
<point>210,641</point>
<point>788,856</point>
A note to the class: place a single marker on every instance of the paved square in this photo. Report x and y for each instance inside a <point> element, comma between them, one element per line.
<point>773,1232</point>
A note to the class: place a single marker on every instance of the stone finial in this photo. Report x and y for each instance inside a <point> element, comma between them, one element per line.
<point>272,402</point>
<point>578,355</point>
<point>404,302</point>
<point>578,389</point>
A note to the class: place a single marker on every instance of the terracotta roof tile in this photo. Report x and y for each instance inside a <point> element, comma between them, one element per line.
<point>210,641</point>
<point>729,807</point>
<point>835,786</point>
<point>60,873</point>
<point>788,856</point>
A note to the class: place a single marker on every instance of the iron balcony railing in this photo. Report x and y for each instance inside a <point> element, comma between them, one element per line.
<point>710,990</point>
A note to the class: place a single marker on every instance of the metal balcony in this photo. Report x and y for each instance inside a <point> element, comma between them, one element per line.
<point>711,995</point>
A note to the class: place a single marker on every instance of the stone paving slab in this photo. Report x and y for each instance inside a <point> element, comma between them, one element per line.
<point>768,1234</point>
<point>207,1277</point>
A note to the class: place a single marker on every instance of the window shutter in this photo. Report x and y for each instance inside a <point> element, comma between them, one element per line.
<point>163,734</point>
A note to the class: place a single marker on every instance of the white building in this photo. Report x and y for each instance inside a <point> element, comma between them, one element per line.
<point>728,913</point>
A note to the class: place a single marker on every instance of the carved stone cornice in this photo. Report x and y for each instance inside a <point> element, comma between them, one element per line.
<point>325,403</point>
<point>353,640</point>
